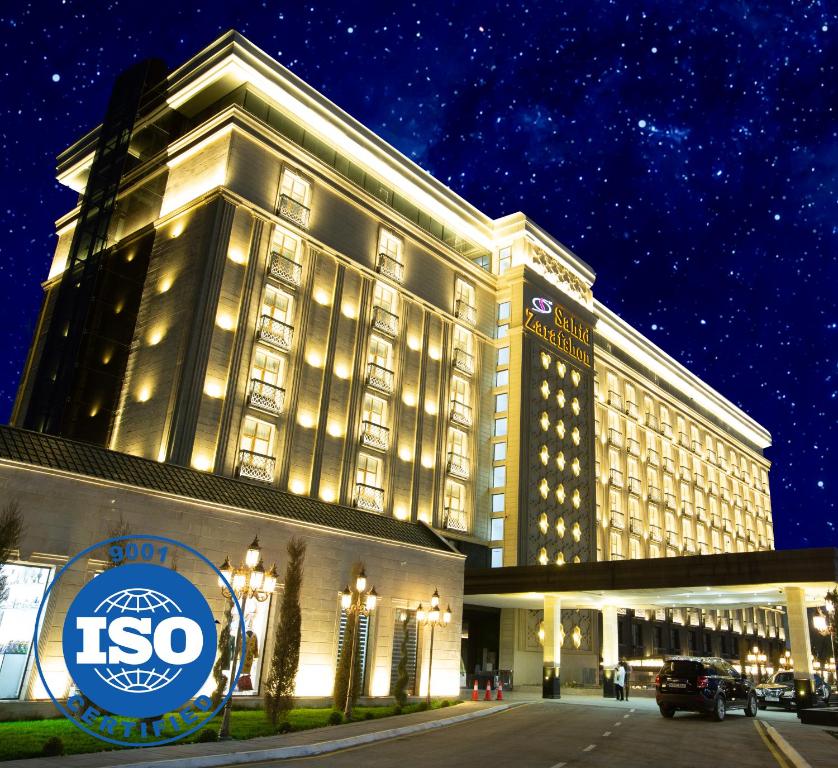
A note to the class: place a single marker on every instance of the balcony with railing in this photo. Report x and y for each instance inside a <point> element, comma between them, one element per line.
<point>727,526</point>
<point>683,439</point>
<point>285,269</point>
<point>689,545</point>
<point>652,421</point>
<point>713,488</point>
<point>752,537</point>
<point>389,266</point>
<point>618,519</point>
<point>698,480</point>
<point>616,478</point>
<point>294,211</point>
<point>458,465</point>
<point>266,397</point>
<point>615,400</point>
<point>669,501</point>
<point>636,526</point>
<point>618,556</point>
<point>684,472</point>
<point>687,509</point>
<point>654,533</point>
<point>740,532</point>
<point>385,321</point>
<point>695,446</point>
<point>369,497</point>
<point>275,333</point>
<point>716,521</point>
<point>615,438</point>
<point>455,520</point>
<point>634,486</point>
<point>671,539</point>
<point>654,494</point>
<point>666,429</point>
<point>465,311</point>
<point>701,514</point>
<point>710,455</point>
<point>669,466</point>
<point>461,413</point>
<point>256,466</point>
<point>631,409</point>
<point>633,446</point>
<point>375,435</point>
<point>463,361</point>
<point>380,378</point>
<point>653,458</point>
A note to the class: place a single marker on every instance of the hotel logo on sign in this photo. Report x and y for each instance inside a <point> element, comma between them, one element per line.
<point>559,328</point>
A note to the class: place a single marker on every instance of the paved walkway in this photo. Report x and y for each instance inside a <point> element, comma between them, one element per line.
<point>181,752</point>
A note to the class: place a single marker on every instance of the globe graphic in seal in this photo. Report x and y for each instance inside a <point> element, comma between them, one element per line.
<point>137,601</point>
<point>140,640</point>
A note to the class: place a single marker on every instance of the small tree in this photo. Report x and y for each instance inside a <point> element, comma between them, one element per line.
<point>400,690</point>
<point>11,532</point>
<point>222,663</point>
<point>279,690</point>
<point>342,671</point>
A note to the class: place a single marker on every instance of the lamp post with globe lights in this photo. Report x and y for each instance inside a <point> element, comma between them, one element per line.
<point>248,580</point>
<point>824,623</point>
<point>433,618</point>
<point>358,602</point>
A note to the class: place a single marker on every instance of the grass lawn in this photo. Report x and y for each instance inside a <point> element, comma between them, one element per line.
<point>25,738</point>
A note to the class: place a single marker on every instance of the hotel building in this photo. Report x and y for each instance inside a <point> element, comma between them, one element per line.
<point>255,286</point>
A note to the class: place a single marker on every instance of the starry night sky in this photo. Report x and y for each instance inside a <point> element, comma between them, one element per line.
<point>688,151</point>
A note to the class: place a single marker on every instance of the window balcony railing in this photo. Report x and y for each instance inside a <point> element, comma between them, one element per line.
<point>275,333</point>
<point>616,478</point>
<point>631,409</point>
<point>285,269</point>
<point>698,480</point>
<point>633,446</point>
<point>458,465</point>
<point>256,466</point>
<point>723,463</point>
<point>703,548</point>
<point>669,466</point>
<point>695,446</point>
<point>463,361</point>
<point>294,211</point>
<point>737,502</point>
<point>740,532</point>
<point>683,440</point>
<point>391,267</point>
<point>618,556</point>
<point>687,509</point>
<point>752,537</point>
<point>618,519</point>
<point>266,397</point>
<point>380,378</point>
<point>701,513</point>
<point>465,312</point>
<point>666,429</point>
<point>375,435</point>
<point>461,413</point>
<point>455,520</point>
<point>689,545</point>
<point>369,497</point>
<point>727,526</point>
<point>636,526</point>
<point>615,400</point>
<point>713,488</point>
<point>684,472</point>
<point>615,438</point>
<point>715,521</point>
<point>654,533</point>
<point>671,538</point>
<point>652,458</point>
<point>726,494</point>
<point>652,421</point>
<point>669,501</point>
<point>711,456</point>
<point>385,321</point>
<point>654,494</point>
<point>634,486</point>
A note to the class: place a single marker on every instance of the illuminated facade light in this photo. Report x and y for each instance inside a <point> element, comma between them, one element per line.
<point>342,371</point>
<point>560,461</point>
<point>574,404</point>
<point>561,369</point>
<point>414,343</point>
<point>542,556</point>
<point>144,394</point>
<point>321,296</point>
<point>543,488</point>
<point>401,512</point>
<point>576,532</point>
<point>545,389</point>
<point>545,360</point>
<point>348,309</point>
<point>202,462</point>
<point>575,467</point>
<point>576,636</point>
<point>327,493</point>
<point>213,389</point>
<point>560,558</point>
<point>576,499</point>
<point>314,359</point>
<point>405,454</point>
<point>544,421</point>
<point>165,284</point>
<point>335,429</point>
<point>542,523</point>
<point>560,495</point>
<point>225,320</point>
<point>575,436</point>
<point>297,486</point>
<point>434,353</point>
<point>574,375</point>
<point>560,430</point>
<point>560,399</point>
<point>560,527</point>
<point>305,419</point>
<point>544,455</point>
<point>409,399</point>
<point>236,256</point>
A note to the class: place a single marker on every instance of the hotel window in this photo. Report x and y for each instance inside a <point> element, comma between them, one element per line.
<point>379,366</point>
<point>385,312</point>
<point>631,401</point>
<point>496,529</point>
<point>294,198</point>
<point>616,546</point>
<point>458,453</point>
<point>455,507</point>
<point>497,557</point>
<point>500,427</point>
<point>501,403</point>
<point>368,491</point>
<point>285,258</point>
<point>374,430</point>
<point>635,553</point>
<point>462,358</point>
<point>267,374</point>
<point>503,356</point>
<point>465,302</point>
<point>275,323</point>
<point>498,503</point>
<point>502,379</point>
<point>654,550</point>
<point>277,305</point>
<point>504,259</point>
<point>390,249</point>
<point>499,451</point>
<point>498,476</point>
<point>256,460</point>
<point>666,424</point>
<point>461,401</point>
<point>504,310</point>
<point>728,543</point>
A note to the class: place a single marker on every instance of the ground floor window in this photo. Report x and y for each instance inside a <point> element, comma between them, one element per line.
<point>26,585</point>
<point>253,651</point>
<point>363,641</point>
<point>404,620</point>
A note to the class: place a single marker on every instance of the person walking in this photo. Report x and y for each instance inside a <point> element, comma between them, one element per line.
<point>626,675</point>
<point>619,681</point>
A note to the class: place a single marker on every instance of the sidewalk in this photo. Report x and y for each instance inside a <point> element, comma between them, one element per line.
<point>318,740</point>
<point>814,743</point>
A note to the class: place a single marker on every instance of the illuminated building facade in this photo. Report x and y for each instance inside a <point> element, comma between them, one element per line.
<point>255,285</point>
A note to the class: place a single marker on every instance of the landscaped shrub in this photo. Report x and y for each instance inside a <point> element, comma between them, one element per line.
<point>208,734</point>
<point>397,710</point>
<point>283,727</point>
<point>53,747</point>
<point>445,703</point>
<point>336,717</point>
<point>422,706</point>
<point>368,715</point>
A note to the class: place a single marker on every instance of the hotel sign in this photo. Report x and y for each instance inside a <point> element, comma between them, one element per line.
<point>558,327</point>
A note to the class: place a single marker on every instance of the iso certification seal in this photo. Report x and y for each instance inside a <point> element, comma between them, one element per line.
<point>140,642</point>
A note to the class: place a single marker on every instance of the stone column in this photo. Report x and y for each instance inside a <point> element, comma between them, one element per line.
<point>610,648</point>
<point>801,645</point>
<point>551,680</point>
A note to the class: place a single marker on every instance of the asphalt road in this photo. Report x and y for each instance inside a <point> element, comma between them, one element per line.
<point>554,735</point>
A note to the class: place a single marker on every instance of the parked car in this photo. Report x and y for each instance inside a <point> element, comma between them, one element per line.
<point>703,684</point>
<point>779,691</point>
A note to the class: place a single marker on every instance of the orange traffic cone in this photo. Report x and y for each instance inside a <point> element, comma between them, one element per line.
<point>475,696</point>
<point>500,690</point>
<point>488,696</point>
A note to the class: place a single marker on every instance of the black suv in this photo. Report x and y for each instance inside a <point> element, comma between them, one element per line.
<point>703,685</point>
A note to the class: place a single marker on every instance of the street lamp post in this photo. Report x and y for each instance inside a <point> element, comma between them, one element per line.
<point>359,602</point>
<point>249,580</point>
<point>433,618</point>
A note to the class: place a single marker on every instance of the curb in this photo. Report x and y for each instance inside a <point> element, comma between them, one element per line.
<point>787,750</point>
<point>311,750</point>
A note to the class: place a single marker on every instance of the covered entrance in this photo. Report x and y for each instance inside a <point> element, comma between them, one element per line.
<point>792,579</point>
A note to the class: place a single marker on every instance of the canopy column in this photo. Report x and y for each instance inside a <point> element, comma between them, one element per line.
<point>551,680</point>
